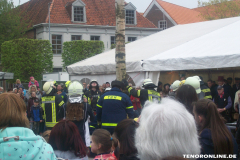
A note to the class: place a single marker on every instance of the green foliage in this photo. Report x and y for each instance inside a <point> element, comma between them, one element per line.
<point>219,9</point>
<point>13,21</point>
<point>75,51</point>
<point>27,57</point>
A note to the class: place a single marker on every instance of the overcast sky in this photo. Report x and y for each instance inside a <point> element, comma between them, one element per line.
<point>143,4</point>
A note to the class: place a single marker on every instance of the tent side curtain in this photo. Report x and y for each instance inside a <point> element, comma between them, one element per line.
<point>192,63</point>
<point>103,68</point>
<point>136,78</point>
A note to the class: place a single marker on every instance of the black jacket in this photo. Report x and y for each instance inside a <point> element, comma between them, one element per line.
<point>143,94</point>
<point>206,91</point>
<point>207,146</point>
<point>93,97</point>
<point>131,157</point>
<point>59,107</point>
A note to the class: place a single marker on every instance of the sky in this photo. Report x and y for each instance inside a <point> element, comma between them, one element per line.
<point>142,5</point>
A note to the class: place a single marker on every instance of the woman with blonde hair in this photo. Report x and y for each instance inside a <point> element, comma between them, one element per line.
<point>31,89</point>
<point>18,84</point>
<point>17,141</point>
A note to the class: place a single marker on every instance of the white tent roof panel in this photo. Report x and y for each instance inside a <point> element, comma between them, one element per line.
<point>171,48</point>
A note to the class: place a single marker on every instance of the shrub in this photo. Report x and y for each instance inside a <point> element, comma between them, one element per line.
<point>27,57</point>
<point>75,51</point>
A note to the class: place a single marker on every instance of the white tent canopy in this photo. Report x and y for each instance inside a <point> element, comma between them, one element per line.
<point>194,43</point>
<point>210,44</point>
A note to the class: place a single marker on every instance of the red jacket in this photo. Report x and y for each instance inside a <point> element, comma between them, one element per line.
<point>136,102</point>
<point>109,156</point>
<point>35,83</point>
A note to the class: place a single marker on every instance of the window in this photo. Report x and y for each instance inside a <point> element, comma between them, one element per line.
<point>113,40</point>
<point>162,24</point>
<point>78,14</point>
<point>76,37</point>
<point>130,17</point>
<point>131,39</point>
<point>57,69</point>
<point>95,38</point>
<point>57,44</point>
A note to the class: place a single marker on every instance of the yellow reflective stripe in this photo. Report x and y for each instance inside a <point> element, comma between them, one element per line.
<point>129,107</point>
<point>138,93</point>
<point>113,97</point>
<point>208,97</point>
<point>92,127</point>
<point>206,90</point>
<point>50,124</point>
<point>98,98</point>
<point>99,106</point>
<point>89,101</point>
<point>129,89</point>
<point>53,113</point>
<point>43,107</point>
<point>109,124</point>
<point>61,103</point>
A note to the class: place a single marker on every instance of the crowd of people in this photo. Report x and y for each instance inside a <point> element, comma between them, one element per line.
<point>116,121</point>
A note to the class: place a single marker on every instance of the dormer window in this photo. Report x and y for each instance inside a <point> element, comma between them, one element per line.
<point>78,12</point>
<point>130,14</point>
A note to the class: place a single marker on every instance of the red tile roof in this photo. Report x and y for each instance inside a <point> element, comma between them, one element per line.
<point>179,14</point>
<point>98,12</point>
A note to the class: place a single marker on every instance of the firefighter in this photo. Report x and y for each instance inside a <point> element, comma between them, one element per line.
<point>204,88</point>
<point>146,94</point>
<point>93,94</point>
<point>53,105</point>
<point>113,107</point>
<point>78,111</point>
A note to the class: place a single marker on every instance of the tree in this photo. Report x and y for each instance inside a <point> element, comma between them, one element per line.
<point>219,9</point>
<point>120,56</point>
<point>27,57</point>
<point>75,51</point>
<point>12,23</point>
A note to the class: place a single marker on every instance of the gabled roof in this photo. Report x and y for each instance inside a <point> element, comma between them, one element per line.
<point>98,12</point>
<point>179,14</point>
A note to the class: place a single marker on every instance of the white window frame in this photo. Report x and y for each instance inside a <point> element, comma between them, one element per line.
<point>75,35</point>
<point>132,37</point>
<point>95,36</point>
<point>131,7</point>
<point>79,3</point>
<point>160,25</point>
<point>57,44</point>
<point>111,40</point>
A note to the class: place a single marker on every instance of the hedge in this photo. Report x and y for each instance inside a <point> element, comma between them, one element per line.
<point>27,57</point>
<point>75,51</point>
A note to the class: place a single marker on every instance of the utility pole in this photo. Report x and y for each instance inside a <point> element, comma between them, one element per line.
<point>49,31</point>
<point>120,56</point>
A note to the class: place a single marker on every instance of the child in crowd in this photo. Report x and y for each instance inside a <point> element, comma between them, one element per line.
<point>36,113</point>
<point>102,143</point>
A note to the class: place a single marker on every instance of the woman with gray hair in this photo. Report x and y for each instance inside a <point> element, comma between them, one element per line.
<point>166,130</point>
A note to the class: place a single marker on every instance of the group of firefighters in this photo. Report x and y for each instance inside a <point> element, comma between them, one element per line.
<point>110,107</point>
